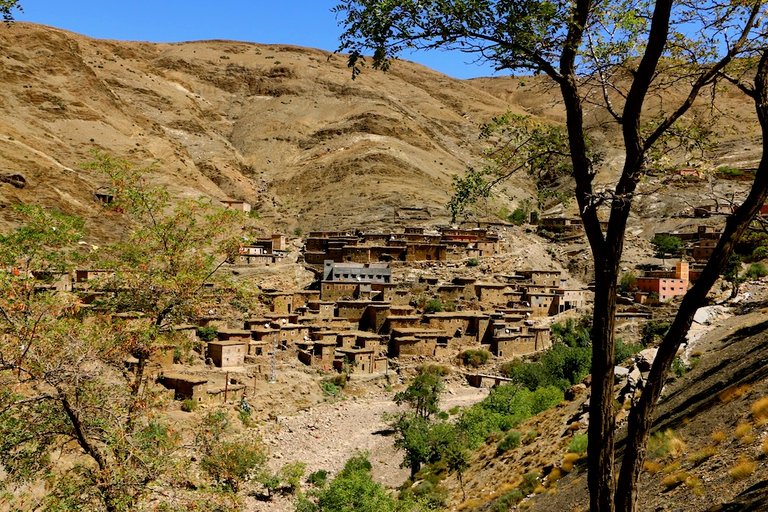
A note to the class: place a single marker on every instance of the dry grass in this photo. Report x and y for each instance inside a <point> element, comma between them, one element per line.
<point>760,411</point>
<point>569,459</point>
<point>472,504</point>
<point>742,470</point>
<point>666,444</point>
<point>651,467</point>
<point>747,439</point>
<point>554,475</point>
<point>732,392</point>
<point>671,468</point>
<point>764,448</point>
<point>700,456</point>
<point>718,436</point>
<point>674,480</point>
<point>742,429</point>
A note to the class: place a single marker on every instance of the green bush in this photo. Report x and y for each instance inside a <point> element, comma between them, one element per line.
<point>207,333</point>
<point>318,478</point>
<point>624,351</point>
<point>189,405</point>
<point>652,331</point>
<point>475,358</point>
<point>507,500</point>
<point>353,489</point>
<point>329,388</point>
<point>757,270</point>
<point>518,217</point>
<point>230,463</point>
<point>504,409</point>
<point>578,444</point>
<point>678,367</point>
<point>561,366</point>
<point>628,282</point>
<point>473,262</point>
<point>433,306</point>
<point>510,441</point>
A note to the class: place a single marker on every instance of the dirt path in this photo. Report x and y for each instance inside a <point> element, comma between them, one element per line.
<point>326,435</point>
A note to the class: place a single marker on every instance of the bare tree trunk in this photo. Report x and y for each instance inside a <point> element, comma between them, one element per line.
<point>641,415</point>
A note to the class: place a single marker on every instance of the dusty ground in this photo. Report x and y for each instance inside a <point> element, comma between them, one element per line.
<point>326,435</point>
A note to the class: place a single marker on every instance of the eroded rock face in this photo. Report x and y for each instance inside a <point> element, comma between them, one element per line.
<point>17,180</point>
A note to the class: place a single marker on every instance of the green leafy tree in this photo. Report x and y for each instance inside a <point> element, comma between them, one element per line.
<point>61,371</point>
<point>666,245</point>
<point>353,490</point>
<point>64,387</point>
<point>627,53</point>
<point>163,267</point>
<point>468,190</point>
<point>628,282</point>
<point>423,394</point>
<point>7,7</point>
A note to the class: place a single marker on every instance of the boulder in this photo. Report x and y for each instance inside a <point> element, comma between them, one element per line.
<point>644,359</point>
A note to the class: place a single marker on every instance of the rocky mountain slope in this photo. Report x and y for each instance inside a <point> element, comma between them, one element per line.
<point>283,127</point>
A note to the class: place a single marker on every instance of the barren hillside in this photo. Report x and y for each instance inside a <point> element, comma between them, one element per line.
<point>283,127</point>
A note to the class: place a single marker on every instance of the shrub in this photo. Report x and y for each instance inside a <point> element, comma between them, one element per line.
<point>189,405</point>
<point>230,463</point>
<point>718,436</point>
<point>624,351</point>
<point>473,262</point>
<point>653,330</point>
<point>673,480</point>
<point>318,478</point>
<point>207,333</point>
<point>329,388</point>
<point>518,217</point>
<point>756,270</point>
<point>569,459</point>
<point>510,442</point>
<point>354,489</point>
<point>678,367</point>
<point>742,429</point>
<point>664,444</point>
<point>507,500</point>
<point>475,358</point>
<point>578,444</point>
<point>561,366</point>
<point>298,231</point>
<point>433,306</point>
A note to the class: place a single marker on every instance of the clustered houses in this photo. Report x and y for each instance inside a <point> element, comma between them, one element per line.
<point>663,285</point>
<point>264,251</point>
<point>414,244</point>
<point>357,328</point>
<point>358,318</point>
<point>699,244</point>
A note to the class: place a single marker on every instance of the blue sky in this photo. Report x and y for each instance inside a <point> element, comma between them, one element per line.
<point>301,22</point>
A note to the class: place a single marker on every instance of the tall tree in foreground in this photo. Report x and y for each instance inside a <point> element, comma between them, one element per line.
<point>617,55</point>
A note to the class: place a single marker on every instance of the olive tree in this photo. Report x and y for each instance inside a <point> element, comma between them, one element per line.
<point>615,55</point>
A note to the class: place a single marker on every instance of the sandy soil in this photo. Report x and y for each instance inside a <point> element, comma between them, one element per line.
<point>326,435</point>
